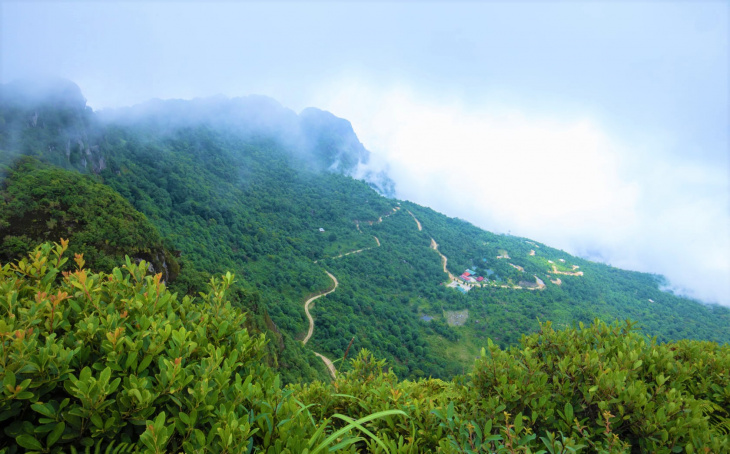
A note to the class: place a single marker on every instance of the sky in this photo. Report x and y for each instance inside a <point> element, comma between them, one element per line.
<point>600,128</point>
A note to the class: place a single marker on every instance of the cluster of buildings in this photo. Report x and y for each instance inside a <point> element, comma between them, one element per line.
<point>471,277</point>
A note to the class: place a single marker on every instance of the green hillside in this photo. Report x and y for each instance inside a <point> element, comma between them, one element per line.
<point>114,362</point>
<point>45,203</point>
<point>249,187</point>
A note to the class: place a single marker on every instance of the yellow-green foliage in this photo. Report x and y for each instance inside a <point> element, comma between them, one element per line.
<point>608,387</point>
<point>116,362</point>
<point>600,389</point>
<point>97,359</point>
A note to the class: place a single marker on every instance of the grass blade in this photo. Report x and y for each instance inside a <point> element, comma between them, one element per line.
<point>358,424</point>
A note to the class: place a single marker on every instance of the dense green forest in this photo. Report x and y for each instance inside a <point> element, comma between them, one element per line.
<point>203,187</point>
<point>117,363</point>
<point>185,191</point>
<point>46,202</point>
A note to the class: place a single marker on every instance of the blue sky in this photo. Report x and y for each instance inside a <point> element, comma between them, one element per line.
<point>599,128</point>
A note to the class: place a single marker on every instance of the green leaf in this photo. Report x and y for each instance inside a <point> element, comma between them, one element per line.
<point>55,434</point>
<point>323,425</point>
<point>568,413</point>
<point>518,423</point>
<point>105,376</point>
<point>184,418</point>
<point>358,424</point>
<point>345,443</point>
<point>131,359</point>
<point>44,409</point>
<point>9,381</point>
<point>97,421</point>
<point>29,442</point>
<point>145,362</point>
<point>74,305</point>
<point>85,374</point>
<point>199,437</point>
<point>488,427</point>
<point>25,395</point>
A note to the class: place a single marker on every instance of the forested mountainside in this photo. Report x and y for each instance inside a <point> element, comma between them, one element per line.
<point>244,185</point>
<point>116,363</point>
<point>43,202</point>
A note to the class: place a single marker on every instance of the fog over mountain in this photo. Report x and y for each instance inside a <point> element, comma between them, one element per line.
<point>567,183</point>
<point>598,128</point>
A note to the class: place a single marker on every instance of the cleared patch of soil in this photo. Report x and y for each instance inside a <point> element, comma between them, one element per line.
<point>456,318</point>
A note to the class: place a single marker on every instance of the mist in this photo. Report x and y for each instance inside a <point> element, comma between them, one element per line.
<point>315,138</point>
<point>567,183</point>
<point>600,128</point>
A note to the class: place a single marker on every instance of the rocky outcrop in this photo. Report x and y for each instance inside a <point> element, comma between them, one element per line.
<point>160,261</point>
<point>332,141</point>
<point>54,113</point>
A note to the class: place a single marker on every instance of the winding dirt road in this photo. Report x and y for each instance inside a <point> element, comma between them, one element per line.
<point>555,271</point>
<point>357,251</point>
<point>328,363</point>
<point>351,252</point>
<point>310,300</point>
<point>435,247</point>
<point>418,223</point>
<point>307,304</point>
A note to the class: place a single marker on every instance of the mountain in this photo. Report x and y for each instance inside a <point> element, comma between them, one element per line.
<point>247,186</point>
<point>317,138</point>
<point>215,259</point>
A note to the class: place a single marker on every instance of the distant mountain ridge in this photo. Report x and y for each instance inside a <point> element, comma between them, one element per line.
<point>326,141</point>
<point>33,93</point>
<point>323,140</point>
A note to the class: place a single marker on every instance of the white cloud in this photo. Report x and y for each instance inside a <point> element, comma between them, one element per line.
<point>563,182</point>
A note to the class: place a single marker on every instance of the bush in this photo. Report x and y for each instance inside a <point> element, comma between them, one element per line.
<point>117,362</point>
<point>609,387</point>
<point>89,358</point>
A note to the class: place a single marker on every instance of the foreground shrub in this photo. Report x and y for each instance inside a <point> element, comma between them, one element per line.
<point>609,389</point>
<point>595,389</point>
<point>117,357</point>
<point>116,363</point>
